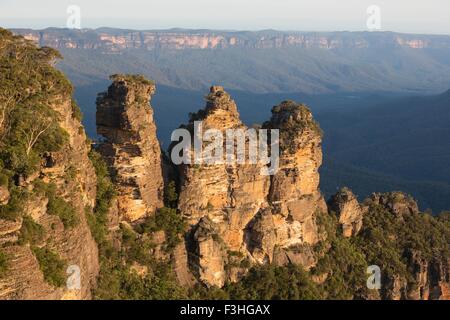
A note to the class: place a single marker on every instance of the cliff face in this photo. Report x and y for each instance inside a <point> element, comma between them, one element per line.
<point>238,214</point>
<point>406,244</point>
<point>115,40</point>
<point>294,191</point>
<point>131,148</point>
<point>350,213</point>
<point>75,245</point>
<point>47,180</point>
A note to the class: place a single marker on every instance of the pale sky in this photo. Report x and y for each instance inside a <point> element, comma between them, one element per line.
<point>412,16</point>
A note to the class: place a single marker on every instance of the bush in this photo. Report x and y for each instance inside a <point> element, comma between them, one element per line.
<point>168,220</point>
<point>76,111</point>
<point>30,85</point>
<point>171,195</point>
<point>31,232</point>
<point>4,180</point>
<point>51,266</point>
<point>97,218</point>
<point>3,264</point>
<point>272,282</point>
<point>57,206</point>
<point>14,208</point>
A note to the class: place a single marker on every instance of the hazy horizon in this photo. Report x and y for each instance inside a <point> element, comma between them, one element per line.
<point>403,16</point>
<point>222,30</point>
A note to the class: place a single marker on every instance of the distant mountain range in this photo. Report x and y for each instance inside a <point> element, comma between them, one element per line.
<point>264,62</point>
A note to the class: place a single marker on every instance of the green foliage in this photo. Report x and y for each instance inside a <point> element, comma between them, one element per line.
<point>97,218</point>
<point>51,265</point>
<point>171,195</point>
<point>57,206</point>
<point>14,208</point>
<point>117,280</point>
<point>30,86</point>
<point>137,78</point>
<point>121,283</point>
<point>385,239</point>
<point>76,111</point>
<point>31,232</point>
<point>168,220</point>
<point>4,180</point>
<point>3,264</point>
<point>345,267</point>
<point>275,283</point>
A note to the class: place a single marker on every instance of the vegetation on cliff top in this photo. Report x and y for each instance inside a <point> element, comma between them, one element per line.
<point>132,78</point>
<point>30,85</point>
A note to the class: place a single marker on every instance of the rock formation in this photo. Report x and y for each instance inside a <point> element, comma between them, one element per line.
<point>429,274</point>
<point>258,217</point>
<point>24,278</point>
<point>398,202</point>
<point>237,216</point>
<point>131,148</point>
<point>346,206</point>
<point>294,192</point>
<point>113,41</point>
<point>4,195</point>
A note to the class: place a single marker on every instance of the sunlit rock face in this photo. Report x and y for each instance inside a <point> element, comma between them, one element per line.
<point>131,147</point>
<point>257,218</point>
<point>350,213</point>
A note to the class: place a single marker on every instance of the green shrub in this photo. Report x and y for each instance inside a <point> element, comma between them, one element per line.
<point>51,265</point>
<point>98,229</point>
<point>171,195</point>
<point>76,111</point>
<point>65,211</point>
<point>14,208</point>
<point>31,232</point>
<point>30,86</point>
<point>3,264</point>
<point>272,282</point>
<point>4,180</point>
<point>168,220</point>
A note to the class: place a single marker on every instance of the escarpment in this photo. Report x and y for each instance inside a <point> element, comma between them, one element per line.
<point>130,145</point>
<point>47,180</point>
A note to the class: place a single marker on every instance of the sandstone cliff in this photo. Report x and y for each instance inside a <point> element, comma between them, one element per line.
<point>47,180</point>
<point>75,245</point>
<point>111,40</point>
<point>131,148</point>
<point>239,215</point>
<point>393,234</point>
<point>350,213</point>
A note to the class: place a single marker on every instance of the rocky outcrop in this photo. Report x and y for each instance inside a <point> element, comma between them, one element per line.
<point>228,195</point>
<point>4,195</point>
<point>74,245</point>
<point>255,216</point>
<point>431,278</point>
<point>428,270</point>
<point>294,191</point>
<point>397,202</point>
<point>210,254</point>
<point>131,148</point>
<point>350,213</point>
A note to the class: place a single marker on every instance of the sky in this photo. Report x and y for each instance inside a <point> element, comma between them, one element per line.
<point>410,16</point>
